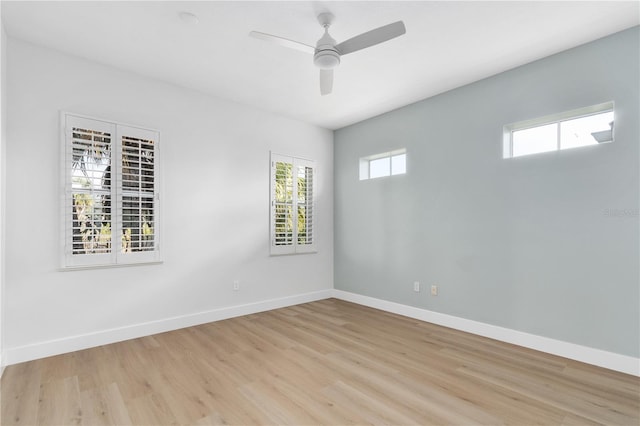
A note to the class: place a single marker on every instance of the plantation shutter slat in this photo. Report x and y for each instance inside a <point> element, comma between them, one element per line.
<point>88,191</point>
<point>305,206</point>
<point>282,204</point>
<point>137,205</point>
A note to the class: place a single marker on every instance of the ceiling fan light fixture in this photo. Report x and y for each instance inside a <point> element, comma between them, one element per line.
<point>326,59</point>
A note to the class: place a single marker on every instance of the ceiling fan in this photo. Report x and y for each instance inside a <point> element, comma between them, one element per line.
<point>327,53</point>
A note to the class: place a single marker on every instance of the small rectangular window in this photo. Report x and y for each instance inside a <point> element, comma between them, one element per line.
<point>379,167</point>
<point>571,129</point>
<point>534,140</point>
<point>384,164</point>
<point>399,164</point>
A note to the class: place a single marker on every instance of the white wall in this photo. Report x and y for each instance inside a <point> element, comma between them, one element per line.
<point>3,138</point>
<point>215,206</point>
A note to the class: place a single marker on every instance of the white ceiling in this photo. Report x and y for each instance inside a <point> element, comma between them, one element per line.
<point>447,44</point>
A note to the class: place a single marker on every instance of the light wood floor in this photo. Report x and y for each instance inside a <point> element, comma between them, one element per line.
<point>328,362</point>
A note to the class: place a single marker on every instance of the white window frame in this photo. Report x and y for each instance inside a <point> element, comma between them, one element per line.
<point>115,257</point>
<point>558,119</point>
<point>365,164</point>
<point>311,220</point>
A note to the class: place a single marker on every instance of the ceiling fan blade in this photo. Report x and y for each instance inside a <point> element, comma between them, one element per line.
<point>371,38</point>
<point>284,42</point>
<point>326,82</point>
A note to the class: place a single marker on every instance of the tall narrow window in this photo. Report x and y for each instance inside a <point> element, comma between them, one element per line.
<point>111,202</point>
<point>292,205</point>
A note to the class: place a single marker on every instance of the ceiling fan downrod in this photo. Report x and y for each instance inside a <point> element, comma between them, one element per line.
<point>326,55</point>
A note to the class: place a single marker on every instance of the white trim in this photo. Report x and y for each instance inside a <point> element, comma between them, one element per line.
<point>104,337</point>
<point>613,361</point>
<point>107,266</point>
<point>562,116</point>
<point>600,358</point>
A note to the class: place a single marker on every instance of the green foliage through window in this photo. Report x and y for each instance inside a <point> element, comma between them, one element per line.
<point>292,203</point>
<point>111,200</point>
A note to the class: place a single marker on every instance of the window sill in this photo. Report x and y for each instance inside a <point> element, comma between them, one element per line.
<point>293,254</point>
<point>108,266</point>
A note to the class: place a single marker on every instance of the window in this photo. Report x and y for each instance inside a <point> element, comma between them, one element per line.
<point>385,164</point>
<point>572,129</point>
<point>111,200</point>
<point>292,205</point>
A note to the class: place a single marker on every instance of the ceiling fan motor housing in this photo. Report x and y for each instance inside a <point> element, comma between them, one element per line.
<point>326,59</point>
<point>326,56</point>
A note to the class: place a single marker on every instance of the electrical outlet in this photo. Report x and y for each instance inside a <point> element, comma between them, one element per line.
<point>236,285</point>
<point>416,286</point>
<point>434,290</point>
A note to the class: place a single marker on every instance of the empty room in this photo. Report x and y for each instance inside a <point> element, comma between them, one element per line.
<point>320,212</point>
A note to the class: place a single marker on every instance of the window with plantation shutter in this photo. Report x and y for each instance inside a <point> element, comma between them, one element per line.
<point>111,198</point>
<point>292,205</point>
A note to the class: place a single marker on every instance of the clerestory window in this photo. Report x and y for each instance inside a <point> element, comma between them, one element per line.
<point>385,164</point>
<point>592,125</point>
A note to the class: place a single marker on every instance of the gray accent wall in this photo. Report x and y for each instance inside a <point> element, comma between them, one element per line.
<point>546,244</point>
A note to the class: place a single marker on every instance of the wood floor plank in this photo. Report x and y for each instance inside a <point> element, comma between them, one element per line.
<point>150,409</point>
<point>544,392</point>
<point>59,402</point>
<point>276,405</point>
<point>320,408</point>
<point>328,362</point>
<point>19,394</point>
<point>104,406</point>
<point>422,406</point>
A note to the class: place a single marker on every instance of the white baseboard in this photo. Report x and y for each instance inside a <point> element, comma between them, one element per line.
<point>84,341</point>
<point>609,360</point>
<point>612,361</point>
